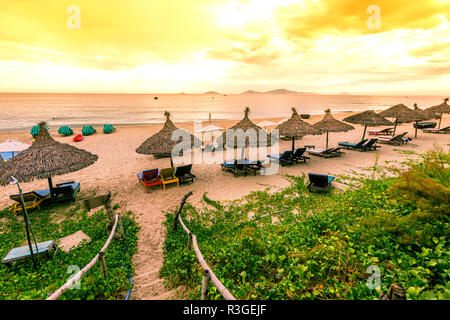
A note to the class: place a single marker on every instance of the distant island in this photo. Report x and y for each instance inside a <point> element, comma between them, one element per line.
<point>211,92</point>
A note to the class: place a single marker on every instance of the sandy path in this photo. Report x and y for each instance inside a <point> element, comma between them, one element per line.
<point>118,164</point>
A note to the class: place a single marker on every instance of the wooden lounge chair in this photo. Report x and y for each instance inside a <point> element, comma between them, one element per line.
<point>298,155</point>
<point>150,178</point>
<point>326,153</point>
<point>254,166</point>
<point>348,145</point>
<point>31,200</point>
<point>235,166</point>
<point>442,131</point>
<point>167,176</point>
<point>65,191</point>
<point>184,174</point>
<point>397,140</point>
<point>381,132</point>
<point>285,158</point>
<point>319,182</point>
<point>368,146</point>
<point>20,253</point>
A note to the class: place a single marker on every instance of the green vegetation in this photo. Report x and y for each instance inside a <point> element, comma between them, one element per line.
<point>314,246</point>
<point>22,281</point>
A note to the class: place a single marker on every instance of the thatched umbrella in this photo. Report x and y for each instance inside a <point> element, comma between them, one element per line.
<point>246,125</point>
<point>330,124</point>
<point>402,114</point>
<point>44,159</point>
<point>427,115</point>
<point>295,127</point>
<point>368,118</point>
<point>440,109</point>
<point>160,145</point>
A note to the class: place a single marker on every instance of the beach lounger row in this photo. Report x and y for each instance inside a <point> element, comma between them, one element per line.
<point>290,157</point>
<point>440,131</point>
<point>242,166</point>
<point>326,153</point>
<point>361,146</point>
<point>65,191</point>
<point>163,177</point>
<point>398,140</point>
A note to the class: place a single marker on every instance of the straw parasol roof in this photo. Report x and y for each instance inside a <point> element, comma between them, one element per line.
<point>44,159</point>
<point>393,111</point>
<point>427,115</point>
<point>296,127</point>
<point>330,124</point>
<point>368,118</point>
<point>161,145</point>
<point>440,109</point>
<point>262,138</point>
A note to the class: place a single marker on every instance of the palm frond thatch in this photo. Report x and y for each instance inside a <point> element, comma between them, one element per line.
<point>368,118</point>
<point>330,124</point>
<point>402,113</point>
<point>296,127</point>
<point>45,158</point>
<point>243,130</point>
<point>161,145</point>
<point>439,109</point>
<point>427,115</point>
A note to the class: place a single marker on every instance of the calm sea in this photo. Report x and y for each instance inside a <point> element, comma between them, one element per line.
<point>21,111</point>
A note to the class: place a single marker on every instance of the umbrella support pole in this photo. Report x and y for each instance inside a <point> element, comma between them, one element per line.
<point>364,134</point>
<point>50,185</point>
<point>440,120</point>
<point>293,143</point>
<point>327,141</point>
<point>415,134</point>
<point>27,224</point>
<point>395,127</point>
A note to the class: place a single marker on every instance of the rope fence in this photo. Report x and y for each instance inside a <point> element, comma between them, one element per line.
<point>208,274</point>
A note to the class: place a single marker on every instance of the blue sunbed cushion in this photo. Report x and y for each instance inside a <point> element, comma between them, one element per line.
<point>330,178</point>
<point>23,252</point>
<point>74,185</point>
<point>40,193</point>
<point>141,174</point>
<point>347,144</point>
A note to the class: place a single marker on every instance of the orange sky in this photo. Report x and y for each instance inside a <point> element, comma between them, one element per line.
<point>150,46</point>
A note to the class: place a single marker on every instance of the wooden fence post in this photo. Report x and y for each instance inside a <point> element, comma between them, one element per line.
<point>205,280</point>
<point>175,222</point>
<point>101,256</point>
<point>189,246</point>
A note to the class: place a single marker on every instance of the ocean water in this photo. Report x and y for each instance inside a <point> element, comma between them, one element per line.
<point>20,111</point>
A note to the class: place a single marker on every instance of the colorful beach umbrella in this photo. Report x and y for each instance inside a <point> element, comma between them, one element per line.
<point>88,130</point>
<point>295,128</point>
<point>368,119</point>
<point>440,109</point>
<point>108,128</point>
<point>35,130</point>
<point>161,144</point>
<point>65,131</point>
<point>330,124</point>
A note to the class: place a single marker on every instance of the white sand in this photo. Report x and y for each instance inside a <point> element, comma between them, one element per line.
<point>118,164</point>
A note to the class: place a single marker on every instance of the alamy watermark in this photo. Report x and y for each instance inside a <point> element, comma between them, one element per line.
<point>374,20</point>
<point>74,19</point>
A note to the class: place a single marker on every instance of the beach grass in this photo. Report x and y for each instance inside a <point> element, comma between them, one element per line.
<point>22,281</point>
<point>299,245</point>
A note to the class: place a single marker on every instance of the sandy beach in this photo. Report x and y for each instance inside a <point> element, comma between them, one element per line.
<point>118,164</point>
